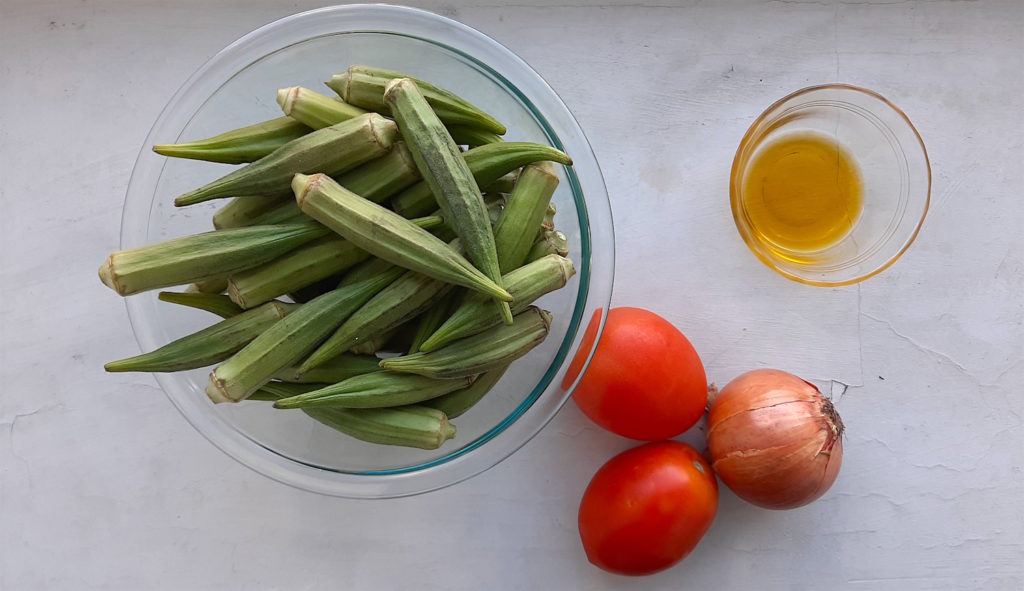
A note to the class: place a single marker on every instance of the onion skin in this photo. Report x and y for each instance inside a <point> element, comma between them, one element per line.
<point>774,440</point>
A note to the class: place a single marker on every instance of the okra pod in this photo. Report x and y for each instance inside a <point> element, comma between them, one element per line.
<point>301,267</point>
<point>331,150</point>
<point>429,321</point>
<point>208,346</point>
<point>526,209</point>
<point>239,146</point>
<point>336,369</point>
<point>365,88</point>
<point>202,256</point>
<point>466,135</point>
<point>407,297</point>
<point>371,344</point>
<point>295,270</point>
<point>481,352</point>
<point>379,179</point>
<point>314,109</point>
<point>488,164</point>
<point>375,390</point>
<point>549,242</point>
<point>285,343</point>
<point>244,211</point>
<point>387,235</point>
<point>286,213</point>
<point>449,178</point>
<point>215,303</point>
<point>407,426</point>
<point>458,402</point>
<point>213,285</point>
<point>526,284</point>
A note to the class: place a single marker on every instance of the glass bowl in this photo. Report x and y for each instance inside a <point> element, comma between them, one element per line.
<point>238,87</point>
<point>895,179</point>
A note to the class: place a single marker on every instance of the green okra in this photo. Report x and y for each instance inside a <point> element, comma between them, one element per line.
<point>372,344</point>
<point>448,176</point>
<point>213,285</point>
<point>379,179</point>
<point>488,164</point>
<point>215,303</point>
<point>364,87</point>
<point>407,426</point>
<point>331,150</point>
<point>549,242</point>
<point>245,211</point>
<point>239,146</point>
<point>314,109</point>
<point>301,267</point>
<point>458,402</point>
<point>202,256</point>
<point>293,271</point>
<point>466,135</point>
<point>208,346</point>
<point>286,213</point>
<point>435,316</point>
<point>387,235</point>
<point>376,390</point>
<point>482,352</point>
<point>526,284</point>
<point>526,209</point>
<point>290,340</point>
<point>406,298</point>
<point>336,369</point>
<point>548,223</point>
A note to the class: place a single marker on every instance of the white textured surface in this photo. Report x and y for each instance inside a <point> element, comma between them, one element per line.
<point>103,485</point>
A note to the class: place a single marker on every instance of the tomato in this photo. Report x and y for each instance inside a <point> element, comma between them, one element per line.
<point>647,508</point>
<point>645,380</point>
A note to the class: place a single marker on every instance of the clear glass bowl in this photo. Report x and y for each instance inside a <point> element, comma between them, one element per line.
<point>238,87</point>
<point>895,180</point>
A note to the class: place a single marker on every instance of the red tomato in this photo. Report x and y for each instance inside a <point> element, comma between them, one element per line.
<point>645,380</point>
<point>647,508</point>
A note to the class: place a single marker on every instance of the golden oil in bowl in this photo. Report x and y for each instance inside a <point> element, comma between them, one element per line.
<point>802,192</point>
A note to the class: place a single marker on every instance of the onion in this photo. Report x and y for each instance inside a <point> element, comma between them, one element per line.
<point>774,439</point>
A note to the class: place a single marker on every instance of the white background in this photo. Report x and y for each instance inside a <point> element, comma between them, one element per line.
<point>104,485</point>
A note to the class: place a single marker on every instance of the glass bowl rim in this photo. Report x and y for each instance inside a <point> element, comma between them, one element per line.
<point>408,22</point>
<point>737,208</point>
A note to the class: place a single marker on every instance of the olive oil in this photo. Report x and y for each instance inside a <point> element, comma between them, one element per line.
<point>802,192</point>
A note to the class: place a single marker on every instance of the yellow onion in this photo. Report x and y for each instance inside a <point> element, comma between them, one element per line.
<point>774,440</point>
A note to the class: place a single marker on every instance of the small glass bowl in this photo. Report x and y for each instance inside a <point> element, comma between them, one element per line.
<point>894,170</point>
<point>238,87</point>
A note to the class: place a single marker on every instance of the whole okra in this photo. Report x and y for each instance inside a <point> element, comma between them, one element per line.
<point>524,213</point>
<point>337,369</point>
<point>526,284</point>
<point>488,164</point>
<point>485,351</point>
<point>314,109</point>
<point>285,343</point>
<point>215,303</point>
<point>448,176</point>
<point>407,297</point>
<point>387,235</point>
<point>376,390</point>
<point>364,87</point>
<point>301,267</point>
<point>407,426</point>
<point>245,211</point>
<point>331,150</point>
<point>208,346</point>
<point>239,146</point>
<point>202,256</point>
